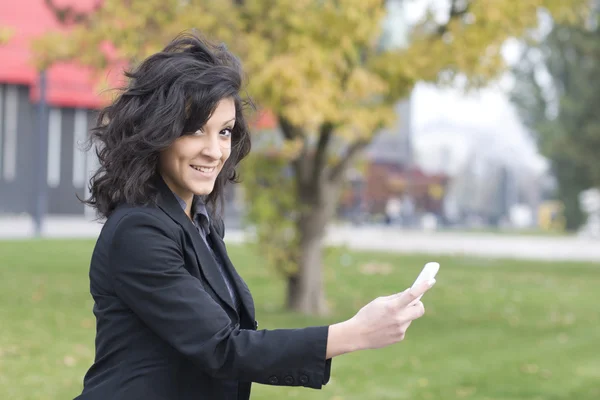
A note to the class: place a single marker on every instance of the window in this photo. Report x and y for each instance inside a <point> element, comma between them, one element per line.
<point>1,125</point>
<point>79,135</point>
<point>9,157</point>
<point>54,135</point>
<point>91,165</point>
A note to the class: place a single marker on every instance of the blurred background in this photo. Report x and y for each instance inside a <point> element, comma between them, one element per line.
<point>458,131</point>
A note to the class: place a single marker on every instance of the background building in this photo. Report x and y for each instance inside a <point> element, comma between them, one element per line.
<point>48,143</point>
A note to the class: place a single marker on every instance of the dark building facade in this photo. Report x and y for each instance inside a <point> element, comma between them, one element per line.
<point>68,166</point>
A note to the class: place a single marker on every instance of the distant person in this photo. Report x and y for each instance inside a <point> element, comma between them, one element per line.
<point>174,318</point>
<point>408,211</point>
<point>393,210</point>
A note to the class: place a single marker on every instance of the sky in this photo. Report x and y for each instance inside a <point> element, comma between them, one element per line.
<point>447,120</point>
<point>447,124</point>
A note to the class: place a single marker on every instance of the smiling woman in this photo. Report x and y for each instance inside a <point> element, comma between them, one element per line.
<point>174,319</point>
<point>186,96</point>
<point>193,162</point>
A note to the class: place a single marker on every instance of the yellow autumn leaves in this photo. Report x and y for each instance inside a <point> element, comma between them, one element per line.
<point>313,61</point>
<point>5,34</point>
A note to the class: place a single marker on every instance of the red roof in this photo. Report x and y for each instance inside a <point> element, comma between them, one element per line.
<point>68,85</point>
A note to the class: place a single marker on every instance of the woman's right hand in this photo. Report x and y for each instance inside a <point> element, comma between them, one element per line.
<point>385,320</point>
<point>382,322</point>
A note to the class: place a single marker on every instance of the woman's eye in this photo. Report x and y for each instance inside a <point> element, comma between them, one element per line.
<point>227,132</point>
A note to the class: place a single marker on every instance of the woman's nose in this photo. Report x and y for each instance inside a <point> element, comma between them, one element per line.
<point>212,147</point>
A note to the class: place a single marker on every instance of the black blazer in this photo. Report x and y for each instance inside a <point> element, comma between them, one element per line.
<point>166,325</point>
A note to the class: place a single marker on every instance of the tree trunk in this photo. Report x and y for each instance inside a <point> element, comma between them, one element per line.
<point>293,291</point>
<point>318,188</point>
<point>306,290</point>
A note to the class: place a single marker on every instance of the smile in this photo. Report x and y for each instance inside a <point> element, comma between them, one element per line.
<point>206,170</point>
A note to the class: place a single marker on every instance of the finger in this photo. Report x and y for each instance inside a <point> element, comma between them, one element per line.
<point>418,309</point>
<point>413,312</point>
<point>411,294</point>
<point>418,299</point>
<point>404,327</point>
<point>390,297</point>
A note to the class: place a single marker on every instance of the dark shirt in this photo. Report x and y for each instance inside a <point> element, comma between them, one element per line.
<point>201,220</point>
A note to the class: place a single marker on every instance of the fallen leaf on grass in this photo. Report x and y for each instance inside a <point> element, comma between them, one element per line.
<point>375,268</point>
<point>563,338</point>
<point>465,391</point>
<point>11,350</point>
<point>415,362</point>
<point>530,368</point>
<point>569,319</point>
<point>39,293</point>
<point>69,361</point>
<point>546,374</point>
<point>591,370</point>
<point>87,323</point>
<point>82,350</point>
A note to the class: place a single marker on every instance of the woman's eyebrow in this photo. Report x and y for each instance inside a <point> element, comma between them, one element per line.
<point>225,123</point>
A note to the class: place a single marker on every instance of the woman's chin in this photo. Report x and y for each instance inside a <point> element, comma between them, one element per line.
<point>203,189</point>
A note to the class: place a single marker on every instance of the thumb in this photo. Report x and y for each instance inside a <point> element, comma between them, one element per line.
<point>408,296</point>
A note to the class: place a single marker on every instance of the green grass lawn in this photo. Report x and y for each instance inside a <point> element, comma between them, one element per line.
<point>499,329</point>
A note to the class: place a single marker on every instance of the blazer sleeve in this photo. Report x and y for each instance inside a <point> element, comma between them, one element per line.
<point>150,277</point>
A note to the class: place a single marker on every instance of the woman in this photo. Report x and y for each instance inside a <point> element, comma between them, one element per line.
<point>174,319</point>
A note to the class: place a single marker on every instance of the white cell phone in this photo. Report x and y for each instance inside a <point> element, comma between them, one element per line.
<point>428,272</point>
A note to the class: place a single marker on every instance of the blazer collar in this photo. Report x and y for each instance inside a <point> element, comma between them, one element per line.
<point>169,204</point>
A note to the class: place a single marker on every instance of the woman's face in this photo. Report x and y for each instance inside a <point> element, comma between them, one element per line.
<point>192,163</point>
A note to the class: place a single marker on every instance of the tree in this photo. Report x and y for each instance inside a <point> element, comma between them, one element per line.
<point>5,34</point>
<point>320,67</point>
<point>562,113</point>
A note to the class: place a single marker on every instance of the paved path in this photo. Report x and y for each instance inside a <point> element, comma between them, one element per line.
<point>475,244</point>
<point>369,238</point>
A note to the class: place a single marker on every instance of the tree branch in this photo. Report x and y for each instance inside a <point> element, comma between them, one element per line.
<point>527,95</point>
<point>458,8</point>
<point>290,132</point>
<point>337,171</point>
<point>320,159</point>
<point>301,164</point>
<point>67,15</point>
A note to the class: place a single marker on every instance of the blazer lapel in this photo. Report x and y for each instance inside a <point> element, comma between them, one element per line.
<point>208,266</point>
<point>240,285</point>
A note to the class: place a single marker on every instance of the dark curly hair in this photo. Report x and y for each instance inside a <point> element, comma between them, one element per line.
<point>171,93</point>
